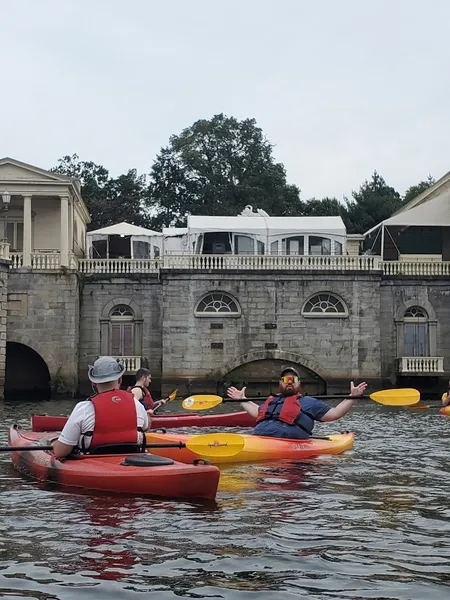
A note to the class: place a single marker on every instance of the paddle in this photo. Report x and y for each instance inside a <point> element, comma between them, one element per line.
<point>170,397</point>
<point>400,397</point>
<point>210,445</point>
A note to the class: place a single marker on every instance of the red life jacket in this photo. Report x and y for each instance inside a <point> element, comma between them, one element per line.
<point>115,419</point>
<point>146,399</point>
<point>290,413</point>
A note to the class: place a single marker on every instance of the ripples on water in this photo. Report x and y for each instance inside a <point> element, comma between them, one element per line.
<point>371,523</point>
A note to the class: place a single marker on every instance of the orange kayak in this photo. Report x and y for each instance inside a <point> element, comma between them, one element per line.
<point>259,448</point>
<point>129,474</point>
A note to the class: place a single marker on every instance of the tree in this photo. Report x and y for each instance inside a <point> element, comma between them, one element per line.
<point>326,207</point>
<point>374,202</point>
<point>415,190</point>
<point>217,167</point>
<point>109,200</point>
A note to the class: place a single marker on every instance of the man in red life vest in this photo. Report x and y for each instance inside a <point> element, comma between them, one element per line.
<point>141,392</point>
<point>291,415</point>
<point>110,417</point>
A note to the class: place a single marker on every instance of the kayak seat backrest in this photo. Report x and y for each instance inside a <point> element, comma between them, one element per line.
<point>116,449</point>
<point>146,460</point>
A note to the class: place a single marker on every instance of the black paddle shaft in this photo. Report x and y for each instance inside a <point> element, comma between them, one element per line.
<point>332,397</point>
<point>29,448</point>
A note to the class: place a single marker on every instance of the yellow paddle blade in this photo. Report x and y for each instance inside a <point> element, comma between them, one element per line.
<point>213,445</point>
<point>400,397</point>
<point>173,395</point>
<point>201,402</point>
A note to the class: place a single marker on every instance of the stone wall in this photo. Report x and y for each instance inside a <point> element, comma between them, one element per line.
<point>337,349</point>
<point>100,294</point>
<point>396,296</point>
<point>4,268</point>
<point>67,323</point>
<point>43,313</point>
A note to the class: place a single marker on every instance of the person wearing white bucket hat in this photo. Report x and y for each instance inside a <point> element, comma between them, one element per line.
<point>108,418</point>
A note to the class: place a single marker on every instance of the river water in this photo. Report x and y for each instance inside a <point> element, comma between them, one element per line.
<point>371,523</point>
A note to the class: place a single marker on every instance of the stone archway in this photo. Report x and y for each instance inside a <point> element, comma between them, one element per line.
<point>260,372</point>
<point>27,374</point>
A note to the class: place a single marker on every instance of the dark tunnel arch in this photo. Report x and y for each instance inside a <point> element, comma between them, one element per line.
<point>27,375</point>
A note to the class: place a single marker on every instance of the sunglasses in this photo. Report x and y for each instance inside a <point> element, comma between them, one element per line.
<point>290,379</point>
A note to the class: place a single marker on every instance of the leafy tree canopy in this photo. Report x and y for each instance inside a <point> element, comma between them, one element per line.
<point>109,200</point>
<point>217,167</point>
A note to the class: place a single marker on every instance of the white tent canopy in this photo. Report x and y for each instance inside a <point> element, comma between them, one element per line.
<point>433,213</point>
<point>124,229</point>
<point>264,229</point>
<point>175,240</point>
<point>124,240</point>
<point>263,226</point>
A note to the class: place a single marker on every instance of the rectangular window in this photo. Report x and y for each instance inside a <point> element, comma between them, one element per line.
<point>415,339</point>
<point>319,246</point>
<point>243,244</point>
<point>122,339</point>
<point>14,232</point>
<point>294,246</point>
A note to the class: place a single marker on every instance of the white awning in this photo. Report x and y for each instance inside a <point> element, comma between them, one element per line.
<point>174,231</point>
<point>142,241</point>
<point>124,229</point>
<point>433,213</point>
<point>263,226</point>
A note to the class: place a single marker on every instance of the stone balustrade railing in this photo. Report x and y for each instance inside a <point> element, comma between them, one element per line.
<point>16,260</point>
<point>43,261</point>
<point>269,262</point>
<point>118,265</point>
<point>422,268</point>
<point>47,261</point>
<point>40,261</point>
<point>131,363</point>
<point>424,365</point>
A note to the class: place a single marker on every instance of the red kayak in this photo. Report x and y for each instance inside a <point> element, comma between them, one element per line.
<point>237,419</point>
<point>141,474</point>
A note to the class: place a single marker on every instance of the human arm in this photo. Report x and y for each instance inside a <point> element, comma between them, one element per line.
<point>446,399</point>
<point>137,393</point>
<point>144,417</point>
<point>250,407</point>
<point>71,433</point>
<point>159,403</point>
<point>343,407</point>
<point>61,450</point>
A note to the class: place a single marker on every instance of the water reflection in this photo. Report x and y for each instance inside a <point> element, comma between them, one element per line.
<point>372,523</point>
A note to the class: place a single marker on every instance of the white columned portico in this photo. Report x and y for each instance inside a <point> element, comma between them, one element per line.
<point>64,244</point>
<point>27,231</point>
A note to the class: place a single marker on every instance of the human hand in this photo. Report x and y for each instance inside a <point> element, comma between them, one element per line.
<point>233,392</point>
<point>159,403</point>
<point>357,391</point>
<point>150,412</point>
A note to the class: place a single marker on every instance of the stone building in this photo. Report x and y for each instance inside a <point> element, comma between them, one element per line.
<point>225,304</point>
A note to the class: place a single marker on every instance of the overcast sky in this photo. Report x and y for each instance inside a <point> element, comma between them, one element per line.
<point>340,87</point>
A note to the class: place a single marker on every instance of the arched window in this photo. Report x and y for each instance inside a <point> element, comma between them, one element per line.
<point>121,331</point>
<point>415,332</point>
<point>217,304</point>
<point>324,304</point>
